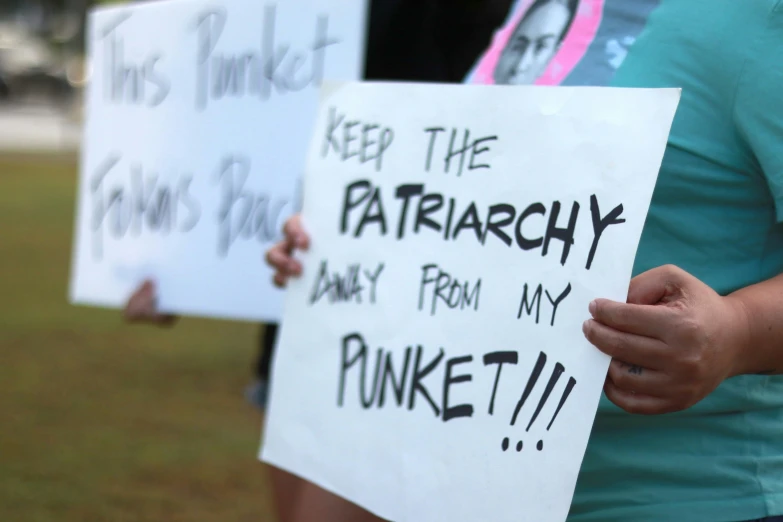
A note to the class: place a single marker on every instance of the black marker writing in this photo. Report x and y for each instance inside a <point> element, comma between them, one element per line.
<point>356,139</point>
<point>364,208</point>
<point>359,357</point>
<point>419,373</point>
<point>531,300</point>
<point>499,358</point>
<point>531,382</point>
<point>556,301</point>
<point>458,153</point>
<point>569,387</point>
<point>256,72</point>
<point>355,352</point>
<point>127,82</point>
<point>566,235</point>
<point>445,288</point>
<point>556,373</point>
<point>462,410</point>
<point>407,378</point>
<point>345,288</point>
<point>600,224</point>
<point>553,379</point>
<point>372,210</point>
<point>390,377</point>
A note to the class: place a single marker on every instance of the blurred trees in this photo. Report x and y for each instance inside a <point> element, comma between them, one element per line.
<point>60,22</point>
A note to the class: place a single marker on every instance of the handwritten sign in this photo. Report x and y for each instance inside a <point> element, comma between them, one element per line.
<point>199,113</point>
<point>432,364</point>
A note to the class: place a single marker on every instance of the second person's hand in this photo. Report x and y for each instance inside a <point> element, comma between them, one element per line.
<point>280,256</point>
<point>142,307</point>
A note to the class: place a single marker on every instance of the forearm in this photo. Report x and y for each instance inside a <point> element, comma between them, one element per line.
<point>760,339</point>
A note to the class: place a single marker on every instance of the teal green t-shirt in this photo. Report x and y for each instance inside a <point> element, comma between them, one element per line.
<point>716,212</point>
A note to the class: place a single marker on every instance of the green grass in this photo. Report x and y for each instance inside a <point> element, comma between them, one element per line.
<point>105,422</point>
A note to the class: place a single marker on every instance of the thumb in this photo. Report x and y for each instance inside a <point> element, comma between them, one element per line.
<point>656,286</point>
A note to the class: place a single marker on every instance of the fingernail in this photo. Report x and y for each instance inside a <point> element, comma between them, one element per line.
<point>585,326</point>
<point>591,307</point>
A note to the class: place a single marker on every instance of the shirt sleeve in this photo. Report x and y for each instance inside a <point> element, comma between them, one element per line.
<point>758,109</point>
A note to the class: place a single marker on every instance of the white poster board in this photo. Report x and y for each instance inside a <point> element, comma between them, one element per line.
<point>431,364</point>
<point>198,116</point>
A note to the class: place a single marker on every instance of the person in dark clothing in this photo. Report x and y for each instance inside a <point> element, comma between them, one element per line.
<point>434,41</point>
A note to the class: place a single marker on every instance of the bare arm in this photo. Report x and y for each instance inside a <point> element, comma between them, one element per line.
<point>761,339</point>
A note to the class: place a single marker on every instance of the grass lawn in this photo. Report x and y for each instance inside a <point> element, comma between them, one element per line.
<point>104,422</point>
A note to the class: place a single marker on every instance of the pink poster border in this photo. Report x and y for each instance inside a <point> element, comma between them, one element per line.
<point>572,50</point>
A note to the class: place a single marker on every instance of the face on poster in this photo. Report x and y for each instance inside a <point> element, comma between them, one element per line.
<point>431,363</point>
<point>562,42</point>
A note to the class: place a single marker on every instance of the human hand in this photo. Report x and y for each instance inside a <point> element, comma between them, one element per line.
<point>672,343</point>
<point>280,256</point>
<point>142,307</point>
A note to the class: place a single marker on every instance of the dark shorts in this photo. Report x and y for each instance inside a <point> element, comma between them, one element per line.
<point>258,392</point>
<point>267,340</point>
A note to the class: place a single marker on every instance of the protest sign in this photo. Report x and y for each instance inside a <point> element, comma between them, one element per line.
<point>198,116</point>
<point>431,364</point>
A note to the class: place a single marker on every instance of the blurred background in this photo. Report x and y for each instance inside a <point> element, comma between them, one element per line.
<point>99,421</point>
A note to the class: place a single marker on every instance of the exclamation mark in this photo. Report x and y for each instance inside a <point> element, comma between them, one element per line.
<point>531,382</point>
<point>556,373</point>
<point>566,393</point>
<point>569,386</point>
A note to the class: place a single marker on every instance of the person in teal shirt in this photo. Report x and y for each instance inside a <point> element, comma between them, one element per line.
<point>699,348</point>
<point>691,425</point>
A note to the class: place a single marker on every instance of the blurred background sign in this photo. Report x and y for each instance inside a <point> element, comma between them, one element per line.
<point>100,421</point>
